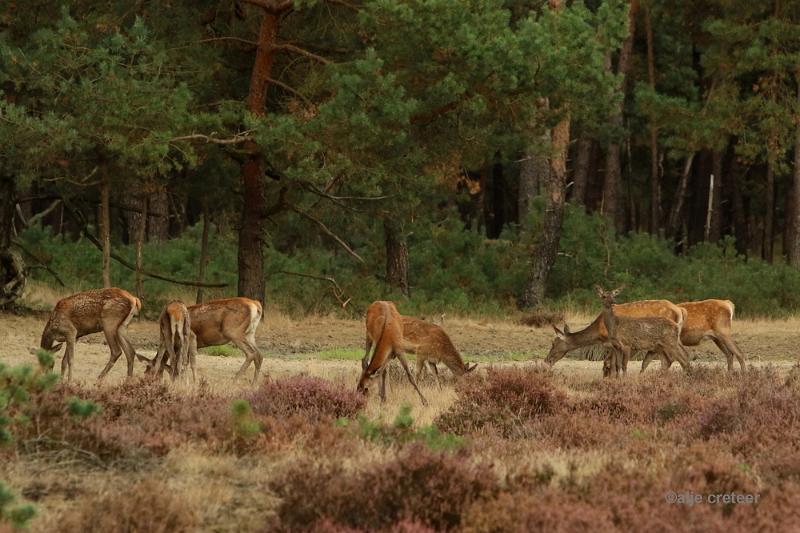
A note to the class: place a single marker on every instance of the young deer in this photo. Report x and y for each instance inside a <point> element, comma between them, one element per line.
<point>83,313</point>
<point>385,331</point>
<point>566,340</point>
<point>177,340</point>
<point>652,334</point>
<point>707,319</point>
<point>220,322</point>
<point>432,345</point>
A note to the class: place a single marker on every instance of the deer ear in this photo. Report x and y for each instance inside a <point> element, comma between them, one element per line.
<point>566,329</point>
<point>471,368</point>
<point>364,364</point>
<point>618,290</point>
<point>599,290</point>
<point>559,333</point>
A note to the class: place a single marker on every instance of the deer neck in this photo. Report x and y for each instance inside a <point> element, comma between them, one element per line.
<point>610,320</point>
<point>588,335</point>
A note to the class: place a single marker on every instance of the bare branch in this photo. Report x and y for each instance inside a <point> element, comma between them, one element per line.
<point>302,51</point>
<point>41,264</point>
<point>231,39</point>
<point>41,215</point>
<point>289,88</point>
<point>238,138</point>
<point>275,8</point>
<point>337,291</point>
<point>326,230</point>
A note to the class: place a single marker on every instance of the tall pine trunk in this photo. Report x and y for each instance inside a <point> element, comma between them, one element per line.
<point>201,270</point>
<point>715,223</point>
<point>532,174</point>
<point>674,224</point>
<point>580,178</point>
<point>105,227</point>
<point>769,214</point>
<point>655,179</point>
<point>140,237</point>
<point>252,281</point>
<point>612,188</point>
<point>546,248</point>
<point>396,255</point>
<point>793,251</point>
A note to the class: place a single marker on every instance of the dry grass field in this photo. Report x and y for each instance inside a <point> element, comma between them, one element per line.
<point>514,447</point>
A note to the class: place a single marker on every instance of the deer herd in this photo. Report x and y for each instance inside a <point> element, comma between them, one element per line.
<point>656,327</point>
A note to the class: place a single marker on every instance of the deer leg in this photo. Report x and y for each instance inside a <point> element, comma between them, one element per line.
<point>382,388</point>
<point>646,361</point>
<point>113,344</point>
<point>725,351</point>
<point>680,354</point>
<point>127,349</point>
<point>626,355</point>
<point>734,349</point>
<point>69,352</point>
<point>258,358</point>
<point>365,359</point>
<point>436,373</point>
<point>192,354</point>
<point>410,377</point>
<point>420,367</point>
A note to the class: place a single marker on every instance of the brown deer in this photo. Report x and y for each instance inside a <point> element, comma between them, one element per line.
<point>432,345</point>
<point>177,340</point>
<point>652,334</point>
<point>707,319</point>
<point>220,322</point>
<point>596,332</point>
<point>83,313</point>
<point>385,331</point>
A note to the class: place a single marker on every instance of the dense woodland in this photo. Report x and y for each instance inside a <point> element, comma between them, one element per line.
<point>510,152</point>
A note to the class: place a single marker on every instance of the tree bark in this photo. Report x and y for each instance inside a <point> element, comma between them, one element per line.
<point>532,174</point>
<point>252,281</point>
<point>158,225</point>
<point>201,271</point>
<point>105,227</point>
<point>140,237</point>
<point>715,200</point>
<point>793,252</point>
<point>655,178</point>
<point>612,189</point>
<point>396,255</point>
<point>680,198</point>
<point>544,254</point>
<point>580,179</point>
<point>8,202</point>
<point>769,214</point>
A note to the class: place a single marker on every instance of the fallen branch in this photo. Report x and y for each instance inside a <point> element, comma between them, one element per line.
<point>337,291</point>
<point>238,138</point>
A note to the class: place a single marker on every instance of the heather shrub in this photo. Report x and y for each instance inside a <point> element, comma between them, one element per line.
<point>428,488</point>
<point>148,506</point>
<point>505,400</point>
<point>314,398</point>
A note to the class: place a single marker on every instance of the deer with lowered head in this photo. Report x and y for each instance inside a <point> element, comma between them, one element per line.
<point>219,322</point>
<point>385,332</point>
<point>87,312</point>
<point>596,332</point>
<point>707,319</point>
<point>178,341</point>
<point>651,334</point>
<point>432,345</point>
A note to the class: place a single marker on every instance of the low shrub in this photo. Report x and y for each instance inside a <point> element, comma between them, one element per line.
<point>314,398</point>
<point>505,400</point>
<point>148,506</point>
<point>427,488</point>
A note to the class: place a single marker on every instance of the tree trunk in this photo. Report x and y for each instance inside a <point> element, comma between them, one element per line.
<point>715,199</point>
<point>655,178</point>
<point>532,174</point>
<point>769,214</point>
<point>612,207</point>
<point>140,237</point>
<point>8,202</point>
<point>201,271</point>
<point>252,281</point>
<point>740,231</point>
<point>396,255</point>
<point>544,254</point>
<point>105,227</point>
<point>674,225</point>
<point>793,252</point>
<point>158,224</point>
<point>580,179</point>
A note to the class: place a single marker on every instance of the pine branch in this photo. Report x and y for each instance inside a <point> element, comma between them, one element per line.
<point>327,231</point>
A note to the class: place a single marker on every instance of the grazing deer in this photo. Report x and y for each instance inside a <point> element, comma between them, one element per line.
<point>385,331</point>
<point>220,322</point>
<point>83,313</point>
<point>652,334</point>
<point>432,345</point>
<point>707,319</point>
<point>596,332</point>
<point>177,340</point>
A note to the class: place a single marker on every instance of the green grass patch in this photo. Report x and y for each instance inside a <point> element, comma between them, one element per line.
<point>225,350</point>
